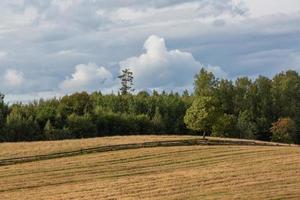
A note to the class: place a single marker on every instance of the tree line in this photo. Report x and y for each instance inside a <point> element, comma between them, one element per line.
<point>264,109</point>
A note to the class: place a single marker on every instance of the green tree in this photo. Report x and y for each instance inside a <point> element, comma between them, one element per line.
<point>263,110</point>
<point>202,114</point>
<point>126,81</point>
<point>242,99</point>
<point>205,83</point>
<point>247,128</point>
<point>81,126</point>
<point>225,94</point>
<point>286,95</point>
<point>45,111</point>
<point>224,126</point>
<point>157,121</point>
<point>20,128</point>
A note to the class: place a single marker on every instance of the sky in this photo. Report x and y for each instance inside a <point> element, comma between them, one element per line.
<point>55,47</point>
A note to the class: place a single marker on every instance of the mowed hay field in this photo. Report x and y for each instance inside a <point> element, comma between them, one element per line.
<point>186,172</point>
<point>21,149</point>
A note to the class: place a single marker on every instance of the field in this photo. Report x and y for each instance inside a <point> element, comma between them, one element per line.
<point>10,150</point>
<point>185,172</point>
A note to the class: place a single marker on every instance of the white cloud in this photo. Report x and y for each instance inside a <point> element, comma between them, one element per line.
<point>196,10</point>
<point>29,97</point>
<point>3,54</point>
<point>64,5</point>
<point>14,78</point>
<point>259,8</point>
<point>161,68</point>
<point>87,77</point>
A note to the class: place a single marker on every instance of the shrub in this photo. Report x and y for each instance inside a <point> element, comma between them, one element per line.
<point>81,126</point>
<point>283,130</point>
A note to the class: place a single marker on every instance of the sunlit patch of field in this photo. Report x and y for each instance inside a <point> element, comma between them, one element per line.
<point>21,149</point>
<point>193,172</point>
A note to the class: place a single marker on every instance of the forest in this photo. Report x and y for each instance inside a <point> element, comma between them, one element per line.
<point>262,108</point>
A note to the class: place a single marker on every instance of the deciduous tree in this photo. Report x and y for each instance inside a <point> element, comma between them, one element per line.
<point>202,114</point>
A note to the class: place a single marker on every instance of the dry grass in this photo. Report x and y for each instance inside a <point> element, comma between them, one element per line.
<point>196,172</point>
<point>20,149</point>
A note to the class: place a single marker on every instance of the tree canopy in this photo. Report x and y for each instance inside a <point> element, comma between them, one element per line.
<point>242,108</point>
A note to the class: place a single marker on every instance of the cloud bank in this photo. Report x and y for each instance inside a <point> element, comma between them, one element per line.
<point>44,40</point>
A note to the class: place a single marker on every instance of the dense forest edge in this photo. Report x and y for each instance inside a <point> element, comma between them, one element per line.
<point>262,109</point>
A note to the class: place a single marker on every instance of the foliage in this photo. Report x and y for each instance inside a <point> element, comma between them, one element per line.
<point>283,130</point>
<point>157,121</point>
<point>245,125</point>
<point>205,83</point>
<point>20,127</point>
<point>244,108</point>
<point>126,81</point>
<point>201,115</point>
<point>224,126</point>
<point>81,126</point>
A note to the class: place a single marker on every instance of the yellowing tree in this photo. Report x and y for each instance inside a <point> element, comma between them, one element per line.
<point>283,130</point>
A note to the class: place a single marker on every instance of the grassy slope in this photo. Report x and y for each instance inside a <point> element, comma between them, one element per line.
<point>195,172</point>
<point>19,149</point>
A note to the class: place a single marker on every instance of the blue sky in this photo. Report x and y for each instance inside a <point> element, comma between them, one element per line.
<point>54,47</point>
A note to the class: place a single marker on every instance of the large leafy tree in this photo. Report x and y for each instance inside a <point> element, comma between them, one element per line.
<point>225,94</point>
<point>205,83</point>
<point>263,107</point>
<point>201,115</point>
<point>246,125</point>
<point>21,125</point>
<point>243,95</point>
<point>286,95</point>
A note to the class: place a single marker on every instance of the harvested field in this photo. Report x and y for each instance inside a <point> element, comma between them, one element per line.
<point>21,149</point>
<point>185,172</point>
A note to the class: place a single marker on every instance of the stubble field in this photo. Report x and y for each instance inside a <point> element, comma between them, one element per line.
<point>179,172</point>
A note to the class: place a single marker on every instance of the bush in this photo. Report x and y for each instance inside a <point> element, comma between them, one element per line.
<point>284,130</point>
<point>21,128</point>
<point>81,126</point>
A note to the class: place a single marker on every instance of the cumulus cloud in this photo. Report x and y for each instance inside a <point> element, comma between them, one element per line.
<point>87,77</point>
<point>13,78</point>
<point>163,68</point>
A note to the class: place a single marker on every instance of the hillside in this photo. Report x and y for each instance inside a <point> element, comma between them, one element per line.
<point>179,172</point>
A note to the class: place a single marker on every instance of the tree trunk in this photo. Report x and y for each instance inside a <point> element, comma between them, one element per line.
<point>204,135</point>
